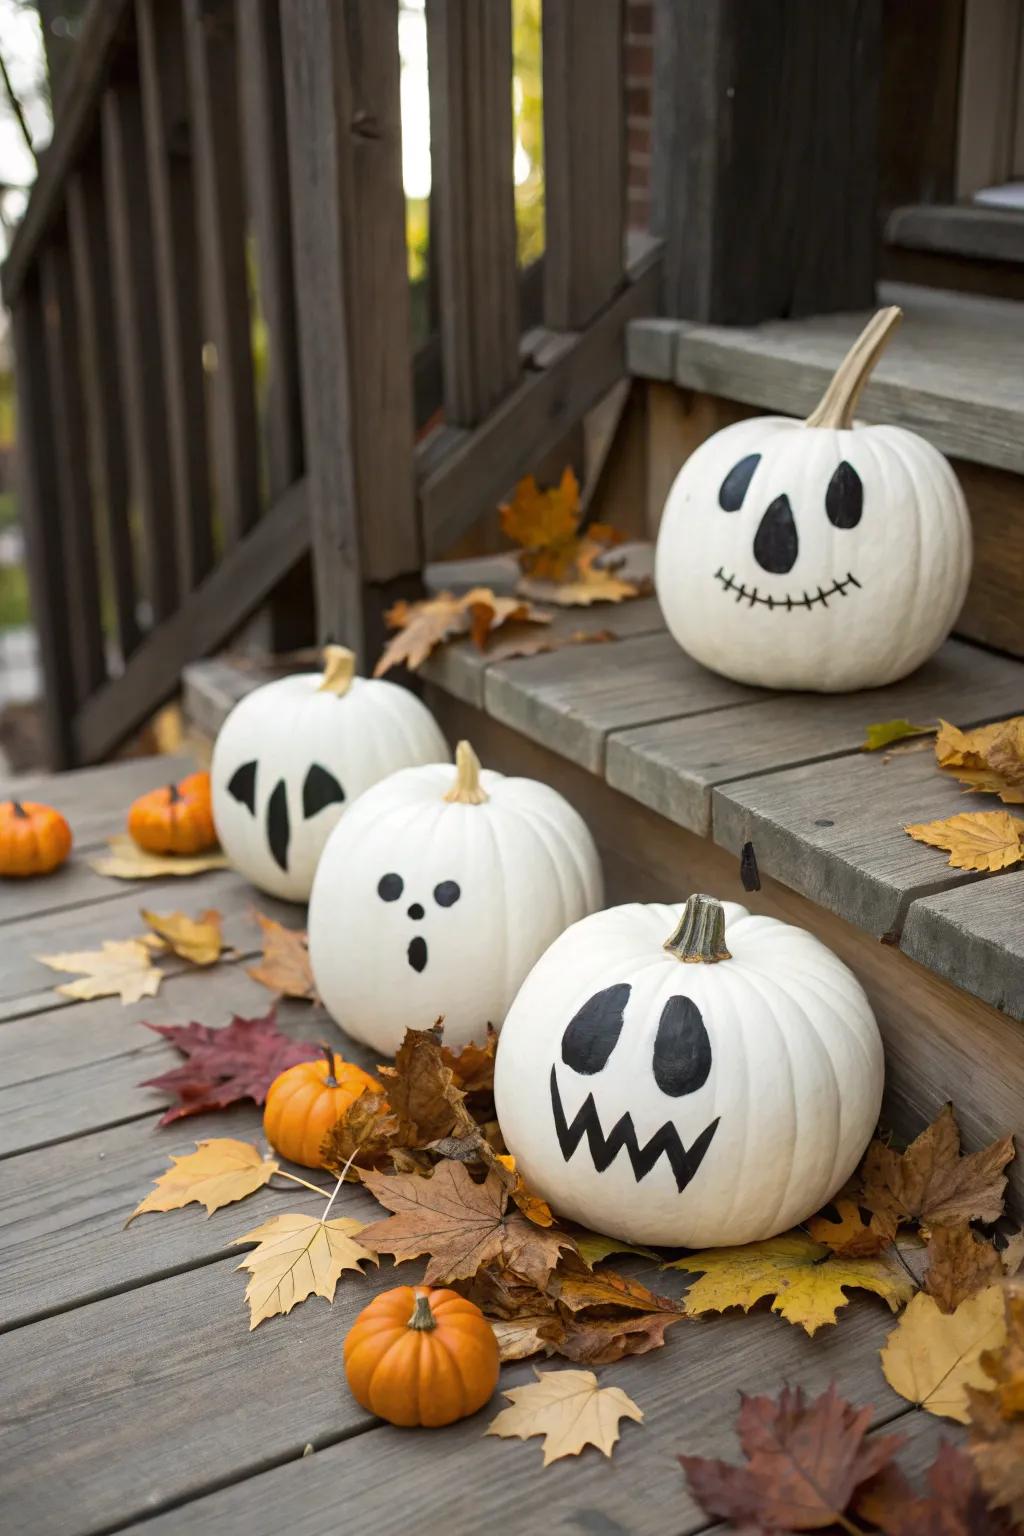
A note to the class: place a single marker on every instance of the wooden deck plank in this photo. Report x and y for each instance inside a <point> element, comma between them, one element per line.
<point>975,936</point>
<point>834,832</point>
<point>673,766</point>
<point>96,800</point>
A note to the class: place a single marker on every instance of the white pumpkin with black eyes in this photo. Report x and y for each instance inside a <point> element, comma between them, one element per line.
<point>815,555</point>
<point>688,1076</point>
<point>293,754</point>
<point>436,894</point>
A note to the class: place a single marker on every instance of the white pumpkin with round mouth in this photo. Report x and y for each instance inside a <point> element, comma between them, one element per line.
<point>818,555</point>
<point>436,894</point>
<point>292,755</point>
<point>690,1076</point>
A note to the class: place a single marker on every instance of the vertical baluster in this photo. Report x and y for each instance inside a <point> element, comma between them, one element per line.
<point>584,159</point>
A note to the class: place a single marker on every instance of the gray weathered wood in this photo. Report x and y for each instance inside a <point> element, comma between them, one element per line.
<point>952,372</point>
<point>470,48</point>
<point>96,800</point>
<point>975,936</point>
<point>673,766</point>
<point>584,158</point>
<point>213,90</point>
<point>170,162</point>
<point>572,705</point>
<point>981,234</point>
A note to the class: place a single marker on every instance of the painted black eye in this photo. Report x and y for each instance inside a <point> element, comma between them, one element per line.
<point>734,486</point>
<point>844,499</point>
<point>447,893</point>
<point>278,829</point>
<point>682,1050</point>
<point>591,1035</point>
<point>242,786</point>
<point>390,887</point>
<point>320,788</point>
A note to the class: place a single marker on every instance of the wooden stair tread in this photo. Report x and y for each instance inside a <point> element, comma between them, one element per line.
<point>952,372</point>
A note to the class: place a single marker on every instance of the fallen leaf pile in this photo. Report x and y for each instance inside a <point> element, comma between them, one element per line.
<point>124,967</point>
<point>223,1066</point>
<point>423,626</point>
<point>569,1409</point>
<point>560,559</point>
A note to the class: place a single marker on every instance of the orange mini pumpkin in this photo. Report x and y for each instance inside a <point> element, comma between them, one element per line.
<point>175,818</point>
<point>34,839</point>
<point>418,1356</point>
<point>305,1101</point>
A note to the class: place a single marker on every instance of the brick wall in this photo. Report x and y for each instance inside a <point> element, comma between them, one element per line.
<point>639,69</point>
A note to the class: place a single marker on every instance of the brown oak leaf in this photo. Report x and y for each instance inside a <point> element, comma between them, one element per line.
<point>805,1462</point>
<point>931,1182</point>
<point>238,1061</point>
<point>284,967</point>
<point>959,1264</point>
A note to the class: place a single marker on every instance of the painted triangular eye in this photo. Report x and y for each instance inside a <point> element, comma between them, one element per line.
<point>844,499</point>
<point>242,786</point>
<point>734,486</point>
<point>591,1034</point>
<point>682,1050</point>
<point>278,827</point>
<point>321,788</point>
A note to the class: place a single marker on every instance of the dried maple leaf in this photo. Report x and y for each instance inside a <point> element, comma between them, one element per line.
<point>887,731</point>
<point>592,583</point>
<point>217,1173</point>
<point>595,1340</point>
<point>931,1357</point>
<point>805,1280</point>
<point>1005,1365</point>
<point>931,1182</point>
<point>487,613</point>
<point>423,626</point>
<point>519,1337</point>
<point>805,1462</point>
<point>983,781</point>
<point>122,968</point>
<point>593,1248</point>
<point>980,840</point>
<point>953,1504</point>
<point>364,1135</point>
<point>849,1234</point>
<point>1005,755</point>
<point>422,1090</point>
<point>532,1206</point>
<point>960,1263</point>
<point>577,1287</point>
<point>298,1256</point>
<point>965,749</point>
<point>285,966</point>
<point>473,1064</point>
<point>127,861</point>
<point>569,1409</point>
<point>196,939</point>
<point>238,1061</point>
<point>1012,1253</point>
<point>545,523</point>
<point>997,1451</point>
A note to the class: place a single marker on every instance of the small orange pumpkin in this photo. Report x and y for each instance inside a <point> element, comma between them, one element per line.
<point>418,1356</point>
<point>305,1101</point>
<point>175,818</point>
<point>34,839</point>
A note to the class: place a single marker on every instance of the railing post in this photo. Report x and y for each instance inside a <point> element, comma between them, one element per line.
<point>765,156</point>
<point>348,218</point>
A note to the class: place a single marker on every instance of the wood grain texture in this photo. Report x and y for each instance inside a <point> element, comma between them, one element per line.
<point>976,937</point>
<point>974,232</point>
<point>726,161</point>
<point>673,766</point>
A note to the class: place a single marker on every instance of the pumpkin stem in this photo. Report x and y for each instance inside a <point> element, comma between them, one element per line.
<point>467,789</point>
<point>422,1318</point>
<point>19,810</point>
<point>339,670</point>
<point>330,1081</point>
<point>699,938</point>
<point>838,403</point>
<point>173,794</point>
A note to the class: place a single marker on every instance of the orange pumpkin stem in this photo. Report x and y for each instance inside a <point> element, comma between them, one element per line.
<point>422,1318</point>
<point>330,1081</point>
<point>19,810</point>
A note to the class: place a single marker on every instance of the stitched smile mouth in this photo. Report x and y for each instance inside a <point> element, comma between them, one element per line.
<point>605,1149</point>
<point>787,603</point>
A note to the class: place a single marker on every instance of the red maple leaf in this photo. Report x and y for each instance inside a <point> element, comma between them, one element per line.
<point>238,1061</point>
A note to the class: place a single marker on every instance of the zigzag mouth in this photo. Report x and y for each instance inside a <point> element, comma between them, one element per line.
<point>788,603</point>
<point>605,1149</point>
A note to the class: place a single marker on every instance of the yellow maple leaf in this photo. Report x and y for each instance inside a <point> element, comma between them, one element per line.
<point>545,524</point>
<point>569,1409</point>
<point>217,1173</point>
<point>981,840</point>
<point>127,861</point>
<point>198,939</point>
<point>589,583</point>
<point>931,1357</point>
<point>983,781</point>
<point>298,1256</point>
<point>122,968</point>
<point>965,749</point>
<point>1006,753</point>
<point>807,1283</point>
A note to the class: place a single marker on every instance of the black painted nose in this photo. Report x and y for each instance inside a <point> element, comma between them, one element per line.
<point>775,543</point>
<point>415,912</point>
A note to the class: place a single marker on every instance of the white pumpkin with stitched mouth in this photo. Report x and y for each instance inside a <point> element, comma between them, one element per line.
<point>436,894</point>
<point>691,1076</point>
<point>816,555</point>
<point>292,755</point>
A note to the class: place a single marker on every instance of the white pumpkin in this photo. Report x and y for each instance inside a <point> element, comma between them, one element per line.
<point>291,756</point>
<point>436,894</point>
<point>688,1104</point>
<point>815,555</point>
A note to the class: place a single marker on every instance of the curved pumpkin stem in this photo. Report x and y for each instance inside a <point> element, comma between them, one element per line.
<point>330,1081</point>
<point>838,403</point>
<point>699,938</point>
<point>467,789</point>
<point>423,1320</point>
<point>173,794</point>
<point>339,670</point>
<point>19,810</point>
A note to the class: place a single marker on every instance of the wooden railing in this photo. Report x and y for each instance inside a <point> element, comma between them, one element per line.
<point>218,158</point>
